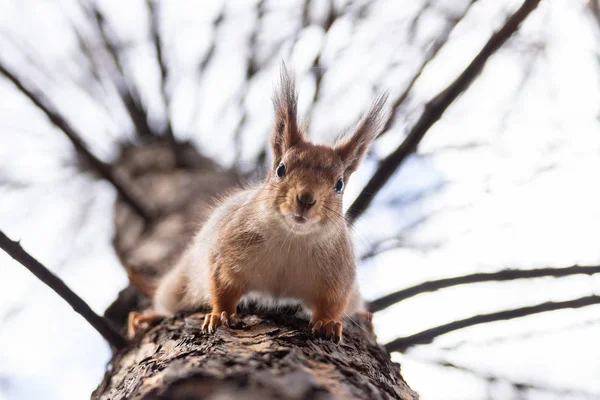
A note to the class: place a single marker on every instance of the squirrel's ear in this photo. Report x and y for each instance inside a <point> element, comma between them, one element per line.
<point>353,147</point>
<point>285,129</point>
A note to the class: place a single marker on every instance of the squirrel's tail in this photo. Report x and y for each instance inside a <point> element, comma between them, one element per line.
<point>145,284</point>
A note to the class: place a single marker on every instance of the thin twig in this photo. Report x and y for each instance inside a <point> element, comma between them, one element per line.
<point>430,55</point>
<point>154,14</point>
<point>42,103</point>
<point>316,68</point>
<point>205,62</point>
<point>594,7</point>
<point>210,52</point>
<point>125,87</point>
<point>530,335</point>
<point>500,276</point>
<point>427,336</point>
<point>518,385</point>
<point>251,69</point>
<point>17,252</point>
<point>434,110</point>
<point>261,159</point>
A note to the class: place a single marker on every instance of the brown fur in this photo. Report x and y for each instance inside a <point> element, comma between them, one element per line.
<point>266,240</point>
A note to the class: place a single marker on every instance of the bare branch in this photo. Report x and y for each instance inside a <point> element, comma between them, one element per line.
<point>594,7</point>
<point>206,60</point>
<point>530,335</point>
<point>153,11</point>
<point>126,89</point>
<point>261,158</point>
<point>15,250</point>
<point>427,336</point>
<point>434,110</point>
<point>251,69</point>
<point>500,276</point>
<point>316,67</point>
<point>519,385</point>
<point>158,46</point>
<point>430,55</point>
<point>40,101</point>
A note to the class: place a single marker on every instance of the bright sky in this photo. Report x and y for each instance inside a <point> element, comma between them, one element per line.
<point>507,178</point>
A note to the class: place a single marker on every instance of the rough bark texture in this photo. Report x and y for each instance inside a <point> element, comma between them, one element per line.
<point>274,355</point>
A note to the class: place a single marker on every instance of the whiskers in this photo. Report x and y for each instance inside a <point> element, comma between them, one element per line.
<point>357,324</point>
<point>342,222</point>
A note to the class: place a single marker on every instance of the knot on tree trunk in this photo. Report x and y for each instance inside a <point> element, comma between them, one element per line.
<point>273,356</point>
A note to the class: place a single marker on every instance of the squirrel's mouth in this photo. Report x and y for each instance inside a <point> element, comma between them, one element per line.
<point>299,219</point>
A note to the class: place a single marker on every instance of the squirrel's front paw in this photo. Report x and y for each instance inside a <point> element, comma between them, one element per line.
<point>138,323</point>
<point>328,329</point>
<point>213,320</point>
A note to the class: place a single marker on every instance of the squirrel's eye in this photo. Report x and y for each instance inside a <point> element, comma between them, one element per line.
<point>339,185</point>
<point>280,171</point>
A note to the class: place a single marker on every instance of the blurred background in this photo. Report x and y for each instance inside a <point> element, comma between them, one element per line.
<point>506,179</point>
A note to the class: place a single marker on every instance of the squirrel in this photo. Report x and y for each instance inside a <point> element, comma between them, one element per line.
<point>285,238</point>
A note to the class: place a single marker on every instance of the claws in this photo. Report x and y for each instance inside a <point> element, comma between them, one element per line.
<point>138,323</point>
<point>213,321</point>
<point>330,330</point>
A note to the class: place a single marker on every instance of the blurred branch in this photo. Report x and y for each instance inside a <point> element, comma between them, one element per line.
<point>206,60</point>
<point>211,50</point>
<point>87,51</point>
<point>126,89</point>
<point>251,69</point>
<point>518,385</point>
<point>261,158</point>
<point>40,101</point>
<point>430,55</point>
<point>15,250</point>
<point>523,336</point>
<point>154,13</point>
<point>434,110</point>
<point>500,276</point>
<point>427,336</point>
<point>594,6</point>
<point>316,67</point>
<point>412,29</point>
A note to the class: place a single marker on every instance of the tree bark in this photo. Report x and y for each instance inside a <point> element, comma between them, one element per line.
<point>271,357</point>
<point>274,356</point>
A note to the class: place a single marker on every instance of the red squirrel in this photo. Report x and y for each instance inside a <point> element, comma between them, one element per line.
<point>285,238</point>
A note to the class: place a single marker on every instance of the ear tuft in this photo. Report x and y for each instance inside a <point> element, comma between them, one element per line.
<point>285,128</point>
<point>352,148</point>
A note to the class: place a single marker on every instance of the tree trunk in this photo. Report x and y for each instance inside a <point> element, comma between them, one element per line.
<point>271,357</point>
<point>274,356</point>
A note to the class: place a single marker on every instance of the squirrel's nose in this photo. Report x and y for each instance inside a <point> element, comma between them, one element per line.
<point>306,200</point>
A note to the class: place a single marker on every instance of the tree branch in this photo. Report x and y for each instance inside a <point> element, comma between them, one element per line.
<point>154,14</point>
<point>128,93</point>
<point>261,158</point>
<point>42,103</point>
<point>594,7</point>
<point>434,110</point>
<point>528,335</point>
<point>206,60</point>
<point>500,276</point>
<point>316,68</point>
<point>518,385</point>
<point>275,356</point>
<point>427,336</point>
<point>251,69</point>
<point>15,250</point>
<point>432,52</point>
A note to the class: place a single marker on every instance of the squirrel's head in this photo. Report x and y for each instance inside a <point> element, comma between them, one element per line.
<point>307,181</point>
